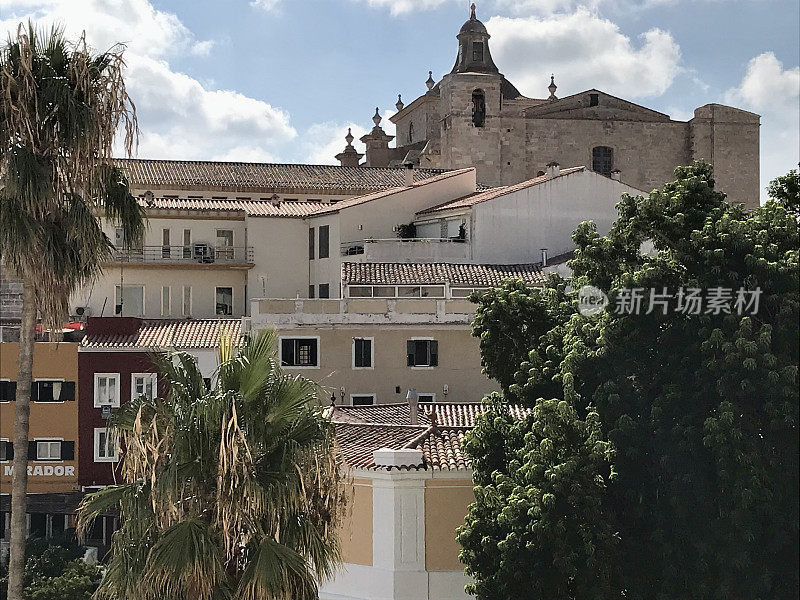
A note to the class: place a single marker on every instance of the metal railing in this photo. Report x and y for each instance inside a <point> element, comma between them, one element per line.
<point>194,253</point>
<point>357,246</point>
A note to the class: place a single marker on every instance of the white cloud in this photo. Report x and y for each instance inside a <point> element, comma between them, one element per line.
<point>584,51</point>
<point>179,116</point>
<point>266,5</point>
<point>401,7</point>
<point>772,91</point>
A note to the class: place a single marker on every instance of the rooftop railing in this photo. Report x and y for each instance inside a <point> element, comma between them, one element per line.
<point>357,247</point>
<point>198,253</point>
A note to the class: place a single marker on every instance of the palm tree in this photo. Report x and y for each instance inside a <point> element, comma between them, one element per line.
<point>230,492</point>
<point>60,106</point>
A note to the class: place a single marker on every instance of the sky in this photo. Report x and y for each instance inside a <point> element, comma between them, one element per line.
<point>282,80</point>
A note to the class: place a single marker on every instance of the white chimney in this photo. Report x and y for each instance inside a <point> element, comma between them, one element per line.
<point>615,174</point>
<point>553,170</point>
<point>401,457</point>
<point>544,257</point>
<point>413,405</point>
<point>408,180</point>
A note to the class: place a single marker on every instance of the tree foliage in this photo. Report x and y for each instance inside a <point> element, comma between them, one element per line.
<point>690,489</point>
<point>785,190</point>
<point>229,492</point>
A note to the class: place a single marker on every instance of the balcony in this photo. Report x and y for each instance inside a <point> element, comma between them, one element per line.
<point>196,255</point>
<point>407,250</point>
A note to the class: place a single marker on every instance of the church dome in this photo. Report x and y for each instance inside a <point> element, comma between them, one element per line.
<point>474,26</point>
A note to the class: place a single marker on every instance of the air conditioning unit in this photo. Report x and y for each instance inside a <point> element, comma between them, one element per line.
<point>203,252</point>
<point>82,311</point>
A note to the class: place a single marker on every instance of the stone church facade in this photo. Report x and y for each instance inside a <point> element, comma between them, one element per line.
<point>475,117</point>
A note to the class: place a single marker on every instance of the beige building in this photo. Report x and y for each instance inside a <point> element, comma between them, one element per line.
<point>475,117</point>
<point>411,488</point>
<point>401,327</point>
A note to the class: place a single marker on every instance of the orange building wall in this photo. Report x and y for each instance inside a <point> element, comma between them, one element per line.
<point>51,360</point>
<point>446,503</point>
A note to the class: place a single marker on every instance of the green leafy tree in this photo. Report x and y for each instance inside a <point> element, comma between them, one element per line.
<point>60,107</point>
<point>230,492</point>
<point>700,411</point>
<point>786,191</point>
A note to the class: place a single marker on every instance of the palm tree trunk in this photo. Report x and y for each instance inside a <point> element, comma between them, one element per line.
<point>22,409</point>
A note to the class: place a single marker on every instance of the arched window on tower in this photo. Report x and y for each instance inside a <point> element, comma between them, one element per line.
<point>603,160</point>
<point>478,108</point>
<point>410,132</point>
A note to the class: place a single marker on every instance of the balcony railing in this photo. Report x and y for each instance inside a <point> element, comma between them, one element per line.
<point>410,248</point>
<point>196,253</point>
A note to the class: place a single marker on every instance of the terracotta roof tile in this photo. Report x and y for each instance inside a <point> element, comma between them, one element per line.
<point>199,333</point>
<point>360,430</point>
<point>266,177</point>
<point>255,208</point>
<point>473,199</point>
<point>356,273</point>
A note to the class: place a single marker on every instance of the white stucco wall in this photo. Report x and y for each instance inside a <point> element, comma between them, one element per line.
<point>515,227</point>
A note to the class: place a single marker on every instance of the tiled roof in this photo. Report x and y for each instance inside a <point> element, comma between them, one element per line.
<point>360,430</point>
<point>355,273</point>
<point>256,208</point>
<point>173,174</point>
<point>199,333</point>
<point>330,208</point>
<point>448,414</point>
<point>473,199</point>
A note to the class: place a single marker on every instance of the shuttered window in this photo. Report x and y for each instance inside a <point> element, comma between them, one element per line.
<point>422,353</point>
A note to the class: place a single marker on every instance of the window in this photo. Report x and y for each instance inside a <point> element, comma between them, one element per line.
<point>225,244</point>
<point>426,398</point>
<point>602,160</point>
<point>187,301</point>
<point>594,99</point>
<point>410,132</point>
<point>48,450</point>
<point>408,291</point>
<point>224,301</point>
<point>6,450</point>
<point>359,291</point>
<point>311,291</point>
<point>106,389</point>
<point>384,292</point>
<point>362,399</point>
<point>144,384</point>
<point>105,445</point>
<point>129,300</point>
<point>363,353</point>
<point>422,353</point>
<point>53,391</point>
<point>478,108</point>
<point>300,352</point>
<point>324,239</point>
<point>187,243</point>
<point>165,247</point>
<point>310,243</point>
<point>8,391</point>
<point>477,51</point>
<point>324,290</point>
<point>165,301</point>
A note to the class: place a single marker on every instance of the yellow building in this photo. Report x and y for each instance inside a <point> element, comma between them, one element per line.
<point>52,445</point>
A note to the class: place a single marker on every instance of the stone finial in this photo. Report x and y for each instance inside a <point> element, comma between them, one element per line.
<point>552,87</point>
<point>349,137</point>
<point>399,103</point>
<point>430,83</point>
<point>377,118</point>
<point>472,11</point>
<point>349,157</point>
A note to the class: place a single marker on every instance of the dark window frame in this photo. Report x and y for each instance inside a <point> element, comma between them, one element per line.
<point>294,349</point>
<point>603,160</point>
<point>477,52</point>
<point>217,303</point>
<point>422,353</point>
<point>311,243</point>
<point>324,241</point>
<point>363,353</point>
<point>324,290</point>
<point>478,108</point>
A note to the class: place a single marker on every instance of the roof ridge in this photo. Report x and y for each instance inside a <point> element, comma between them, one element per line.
<point>271,164</point>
